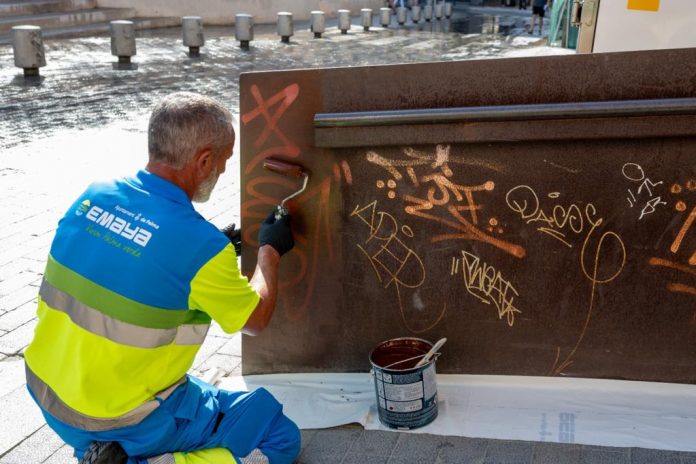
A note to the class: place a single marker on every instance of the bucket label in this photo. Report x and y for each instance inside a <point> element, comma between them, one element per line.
<point>408,392</point>
<point>429,382</point>
<point>380,389</point>
<point>404,378</point>
<point>405,406</point>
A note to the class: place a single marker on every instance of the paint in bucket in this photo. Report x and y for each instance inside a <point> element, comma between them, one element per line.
<point>406,395</point>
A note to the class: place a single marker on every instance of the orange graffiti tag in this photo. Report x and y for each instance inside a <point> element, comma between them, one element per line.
<point>315,243</point>
<point>672,265</point>
<point>682,233</point>
<point>607,239</point>
<point>679,240</point>
<point>313,238</point>
<point>681,288</point>
<point>283,99</point>
<point>443,200</point>
<point>346,172</point>
<point>565,222</point>
<point>395,264</point>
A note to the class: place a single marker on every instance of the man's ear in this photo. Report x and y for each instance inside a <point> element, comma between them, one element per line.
<point>204,162</point>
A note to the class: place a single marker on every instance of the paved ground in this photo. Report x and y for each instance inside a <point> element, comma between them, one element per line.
<point>85,118</point>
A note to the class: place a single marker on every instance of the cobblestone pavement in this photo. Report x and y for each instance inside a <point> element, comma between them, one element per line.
<point>85,118</point>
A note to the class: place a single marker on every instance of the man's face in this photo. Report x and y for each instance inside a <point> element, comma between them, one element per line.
<point>205,188</point>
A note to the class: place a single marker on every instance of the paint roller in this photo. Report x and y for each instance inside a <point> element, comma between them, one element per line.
<point>289,170</point>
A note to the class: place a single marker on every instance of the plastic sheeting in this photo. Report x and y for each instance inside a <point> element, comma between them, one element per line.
<point>583,411</point>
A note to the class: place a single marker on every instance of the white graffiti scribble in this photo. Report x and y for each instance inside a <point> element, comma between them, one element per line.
<point>487,284</point>
<point>635,173</point>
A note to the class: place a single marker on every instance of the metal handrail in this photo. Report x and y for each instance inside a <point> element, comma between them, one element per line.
<point>600,109</point>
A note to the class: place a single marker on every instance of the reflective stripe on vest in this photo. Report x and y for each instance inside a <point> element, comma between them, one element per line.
<point>52,404</point>
<point>98,323</point>
<point>117,306</point>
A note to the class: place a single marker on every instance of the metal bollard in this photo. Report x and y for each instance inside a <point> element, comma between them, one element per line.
<point>285,26</point>
<point>344,21</point>
<point>428,12</point>
<point>27,45</point>
<point>438,10</point>
<point>415,13</point>
<point>123,40</point>
<point>448,10</point>
<point>401,15</point>
<point>192,28</point>
<point>385,16</point>
<point>446,26</point>
<point>318,24</point>
<point>244,29</point>
<point>366,18</point>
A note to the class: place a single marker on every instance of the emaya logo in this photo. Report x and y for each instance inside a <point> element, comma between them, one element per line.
<point>84,206</point>
<point>114,223</point>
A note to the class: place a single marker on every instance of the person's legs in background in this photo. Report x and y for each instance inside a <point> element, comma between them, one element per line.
<point>537,12</point>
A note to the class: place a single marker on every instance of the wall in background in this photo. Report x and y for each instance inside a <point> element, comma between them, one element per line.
<point>645,25</point>
<point>222,12</point>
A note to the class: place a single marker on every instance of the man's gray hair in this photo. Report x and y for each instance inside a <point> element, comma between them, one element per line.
<point>184,123</point>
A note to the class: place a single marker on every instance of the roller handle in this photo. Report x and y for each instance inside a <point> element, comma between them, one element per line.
<point>283,168</point>
<point>280,211</point>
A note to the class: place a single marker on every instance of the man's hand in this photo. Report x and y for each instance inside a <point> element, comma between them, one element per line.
<point>277,233</point>
<point>235,237</point>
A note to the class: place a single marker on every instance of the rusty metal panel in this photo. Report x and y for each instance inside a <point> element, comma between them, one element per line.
<point>542,247</point>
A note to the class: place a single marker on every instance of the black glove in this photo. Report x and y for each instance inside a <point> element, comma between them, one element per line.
<point>235,236</point>
<point>277,233</point>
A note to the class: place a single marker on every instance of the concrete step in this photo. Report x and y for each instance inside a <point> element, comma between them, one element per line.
<point>32,7</point>
<point>66,19</point>
<point>97,29</point>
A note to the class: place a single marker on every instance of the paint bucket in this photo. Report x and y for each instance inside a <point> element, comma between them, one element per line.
<point>406,395</point>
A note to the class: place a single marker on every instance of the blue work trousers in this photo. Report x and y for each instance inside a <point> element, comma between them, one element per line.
<point>199,416</point>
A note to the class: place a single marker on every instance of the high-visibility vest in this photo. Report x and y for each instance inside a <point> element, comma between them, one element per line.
<point>133,279</point>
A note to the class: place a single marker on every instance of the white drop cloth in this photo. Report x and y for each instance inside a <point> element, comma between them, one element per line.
<point>563,410</point>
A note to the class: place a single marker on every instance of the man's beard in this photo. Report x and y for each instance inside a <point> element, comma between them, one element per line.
<point>202,193</point>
